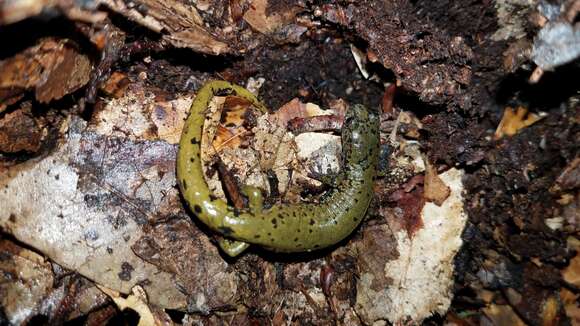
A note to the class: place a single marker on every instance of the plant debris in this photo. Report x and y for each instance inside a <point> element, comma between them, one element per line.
<point>53,68</point>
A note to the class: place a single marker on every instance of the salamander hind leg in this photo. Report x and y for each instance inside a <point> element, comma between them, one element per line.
<point>255,200</point>
<point>232,248</point>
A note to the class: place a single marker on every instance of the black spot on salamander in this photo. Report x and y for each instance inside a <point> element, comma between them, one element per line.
<point>281,216</point>
<point>257,236</point>
<point>356,200</point>
<point>212,197</point>
<point>316,246</point>
<point>355,219</point>
<point>312,222</point>
<point>197,208</point>
<point>192,160</point>
<point>310,231</point>
<point>295,239</point>
<point>274,222</point>
<point>269,234</point>
<point>184,184</point>
<point>224,92</point>
<point>227,231</point>
<point>194,141</point>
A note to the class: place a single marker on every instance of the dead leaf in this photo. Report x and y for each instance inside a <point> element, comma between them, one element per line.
<point>415,284</point>
<point>571,273</point>
<point>410,199</point>
<point>236,113</point>
<point>225,137</point>
<point>198,39</point>
<point>570,177</point>
<point>53,68</point>
<point>296,109</point>
<point>20,132</point>
<point>387,101</point>
<point>87,223</point>
<point>138,302</point>
<point>571,305</point>
<point>550,313</point>
<point>435,190</point>
<point>25,279</point>
<point>514,120</point>
<point>409,125</point>
<point>179,22</point>
<point>116,85</point>
<point>503,315</point>
<point>259,19</point>
<point>140,116</point>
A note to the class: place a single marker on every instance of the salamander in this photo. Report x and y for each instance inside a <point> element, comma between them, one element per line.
<point>283,227</point>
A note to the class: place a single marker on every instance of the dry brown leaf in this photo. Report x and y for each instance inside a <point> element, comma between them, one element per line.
<point>235,113</point>
<point>225,137</point>
<point>235,109</point>
<point>116,85</point>
<point>503,315</point>
<point>514,120</point>
<point>571,306</point>
<point>198,39</point>
<point>296,109</point>
<point>571,274</point>
<point>53,68</point>
<point>258,18</point>
<point>550,311</point>
<point>183,25</point>
<point>435,190</point>
<point>19,131</point>
<point>570,177</point>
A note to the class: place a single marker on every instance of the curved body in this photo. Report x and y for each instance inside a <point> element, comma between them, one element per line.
<point>283,228</point>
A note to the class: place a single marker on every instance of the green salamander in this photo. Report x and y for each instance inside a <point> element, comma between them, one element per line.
<point>284,227</point>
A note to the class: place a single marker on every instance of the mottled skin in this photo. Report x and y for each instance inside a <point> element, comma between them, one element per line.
<point>285,227</point>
